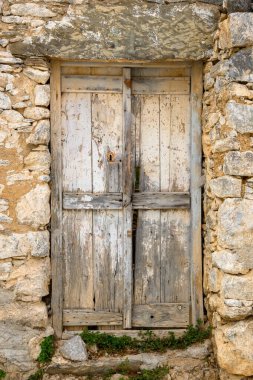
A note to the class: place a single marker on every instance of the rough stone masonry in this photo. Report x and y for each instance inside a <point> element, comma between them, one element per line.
<point>217,32</point>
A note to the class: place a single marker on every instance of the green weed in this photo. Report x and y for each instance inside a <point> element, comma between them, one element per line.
<point>148,341</point>
<point>37,375</point>
<point>47,350</point>
<point>2,374</point>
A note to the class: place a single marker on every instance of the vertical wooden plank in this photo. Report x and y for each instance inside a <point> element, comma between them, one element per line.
<point>175,258</point>
<point>78,259</point>
<point>196,162</point>
<point>147,260</point>
<point>56,199</point>
<point>77,176</point>
<point>76,142</point>
<point>107,115</point>
<point>180,144</point>
<point>175,176</point>
<point>127,176</point>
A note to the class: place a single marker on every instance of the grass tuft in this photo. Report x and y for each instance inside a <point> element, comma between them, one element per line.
<point>148,341</point>
<point>37,375</point>
<point>2,374</point>
<point>47,350</point>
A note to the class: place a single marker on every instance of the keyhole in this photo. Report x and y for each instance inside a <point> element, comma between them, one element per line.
<point>110,156</point>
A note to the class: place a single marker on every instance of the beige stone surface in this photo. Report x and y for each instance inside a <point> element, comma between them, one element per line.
<point>226,187</point>
<point>33,208</point>
<point>234,347</point>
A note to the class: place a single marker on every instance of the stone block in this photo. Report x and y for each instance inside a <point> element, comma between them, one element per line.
<point>38,161</point>
<point>236,31</point>
<point>238,68</point>
<point>42,95</point>
<point>13,245</point>
<point>33,208</point>
<point>237,5</point>
<point>238,287</point>
<point>226,187</point>
<point>248,194</point>
<point>14,177</point>
<point>12,116</point>
<point>240,116</point>
<point>235,224</point>
<point>214,280</point>
<point>74,349</point>
<point>37,75</point>
<point>231,309</point>
<point>225,145</point>
<point>239,261</point>
<point>32,280</point>
<point>239,163</point>
<point>5,269</point>
<point>5,102</point>
<point>234,343</point>
<point>181,26</point>
<point>31,9</point>
<point>41,134</point>
<point>39,243</point>
<point>14,339</point>
<point>36,113</point>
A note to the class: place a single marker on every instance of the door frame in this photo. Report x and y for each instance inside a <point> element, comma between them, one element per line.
<point>195,186</point>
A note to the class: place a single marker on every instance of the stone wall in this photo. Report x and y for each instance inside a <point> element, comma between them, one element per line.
<point>228,205</point>
<point>31,33</point>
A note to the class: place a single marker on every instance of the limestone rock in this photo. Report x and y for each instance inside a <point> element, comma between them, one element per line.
<point>74,349</point>
<point>238,5</point>
<point>214,280</point>
<point>226,187</point>
<point>5,102</point>
<point>239,163</point>
<point>5,269</point>
<point>24,313</point>
<point>12,246</point>
<point>224,145</point>
<point>14,351</point>
<point>181,26</point>
<point>36,113</point>
<point>238,287</point>
<point>234,347</point>
<point>12,116</point>
<point>239,261</point>
<point>236,31</point>
<point>240,116</point>
<point>38,76</point>
<point>13,177</point>
<point>38,161</point>
<point>31,9</point>
<point>32,280</point>
<point>33,208</point>
<point>237,68</point>
<point>249,189</point>
<point>235,224</point>
<point>42,95</point>
<point>39,243</point>
<point>230,309</point>
<point>41,134</point>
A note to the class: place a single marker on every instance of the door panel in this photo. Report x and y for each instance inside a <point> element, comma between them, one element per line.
<point>162,257</point>
<point>92,148</point>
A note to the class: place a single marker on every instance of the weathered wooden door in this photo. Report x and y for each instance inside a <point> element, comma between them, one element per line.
<point>126,185</point>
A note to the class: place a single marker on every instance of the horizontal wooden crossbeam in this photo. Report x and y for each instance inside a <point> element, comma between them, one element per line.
<point>158,201</point>
<point>144,201</point>
<point>83,317</point>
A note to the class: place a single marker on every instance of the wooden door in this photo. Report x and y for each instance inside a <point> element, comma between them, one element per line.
<point>123,230</point>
